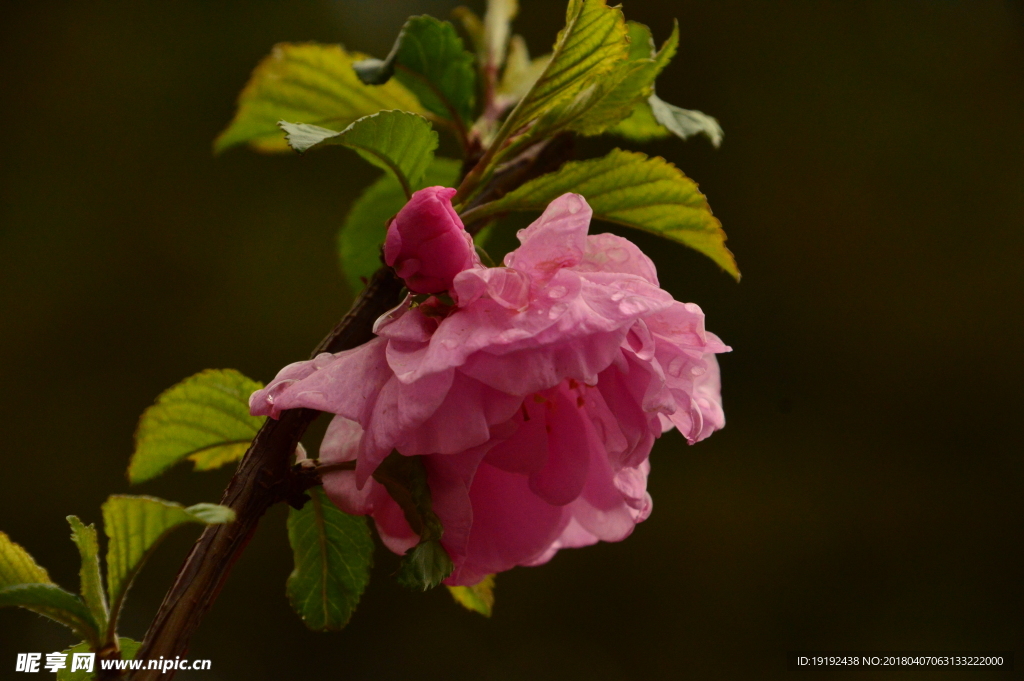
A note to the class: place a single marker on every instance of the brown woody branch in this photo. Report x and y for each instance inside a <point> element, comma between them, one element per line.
<point>260,482</point>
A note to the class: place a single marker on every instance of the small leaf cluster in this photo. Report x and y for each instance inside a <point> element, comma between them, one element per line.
<point>134,526</point>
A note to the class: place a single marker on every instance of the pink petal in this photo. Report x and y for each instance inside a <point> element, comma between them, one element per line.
<point>611,253</point>
<point>557,239</point>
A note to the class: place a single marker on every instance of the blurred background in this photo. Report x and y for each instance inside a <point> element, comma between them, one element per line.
<point>866,493</point>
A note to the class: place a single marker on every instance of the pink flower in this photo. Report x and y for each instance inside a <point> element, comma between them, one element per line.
<point>534,401</point>
<point>427,244</point>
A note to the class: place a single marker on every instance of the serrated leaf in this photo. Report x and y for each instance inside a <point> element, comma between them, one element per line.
<point>592,43</point>
<point>631,189</point>
<point>205,419</point>
<point>54,602</point>
<point>651,117</point>
<point>306,83</point>
<point>333,554</point>
<point>91,582</point>
<point>430,60</point>
<point>134,526</point>
<point>626,87</point>
<point>17,566</point>
<point>128,647</point>
<point>685,123</point>
<point>398,142</point>
<point>426,564</point>
<point>25,584</point>
<point>365,227</point>
<point>478,598</point>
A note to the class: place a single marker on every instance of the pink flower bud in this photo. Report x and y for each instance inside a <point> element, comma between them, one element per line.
<point>427,244</point>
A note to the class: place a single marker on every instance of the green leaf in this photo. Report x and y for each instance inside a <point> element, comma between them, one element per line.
<point>17,566</point>
<point>134,526</point>
<point>405,479</point>
<point>425,566</point>
<point>365,227</point>
<point>657,119</point>
<point>89,576</point>
<point>24,583</point>
<point>398,142</point>
<point>128,647</point>
<point>590,46</point>
<point>429,58</point>
<point>626,87</point>
<point>630,189</point>
<point>306,83</point>
<point>684,123</point>
<point>54,602</point>
<point>653,118</point>
<point>205,419</point>
<point>478,598</point>
<point>333,554</point>
<point>641,126</point>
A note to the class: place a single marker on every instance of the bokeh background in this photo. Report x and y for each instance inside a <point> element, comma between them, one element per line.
<point>866,493</point>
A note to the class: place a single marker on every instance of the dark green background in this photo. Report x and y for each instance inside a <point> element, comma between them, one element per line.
<point>866,493</point>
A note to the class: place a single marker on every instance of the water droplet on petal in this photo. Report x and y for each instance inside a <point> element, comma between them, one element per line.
<point>617,296</point>
<point>557,311</point>
<point>557,291</point>
<point>675,367</point>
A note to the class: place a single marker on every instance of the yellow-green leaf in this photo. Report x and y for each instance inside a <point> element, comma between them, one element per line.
<point>89,576</point>
<point>25,584</point>
<point>478,598</point>
<point>593,41</point>
<point>135,525</point>
<point>54,602</point>
<point>626,87</point>
<point>398,142</point>
<point>306,83</point>
<point>17,566</point>
<point>333,554</point>
<point>631,189</point>
<point>205,419</point>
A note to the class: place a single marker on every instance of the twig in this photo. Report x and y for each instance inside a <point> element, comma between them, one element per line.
<point>260,481</point>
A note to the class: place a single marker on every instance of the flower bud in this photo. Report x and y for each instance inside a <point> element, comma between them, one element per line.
<point>427,243</point>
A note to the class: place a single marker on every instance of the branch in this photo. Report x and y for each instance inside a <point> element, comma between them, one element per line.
<point>260,481</point>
